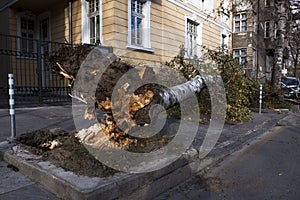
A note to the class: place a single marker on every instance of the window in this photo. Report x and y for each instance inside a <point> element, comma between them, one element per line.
<point>91,21</point>
<point>136,22</point>
<point>27,33</point>
<point>267,29</point>
<point>31,28</point>
<point>240,22</point>
<point>193,38</point>
<point>240,57</point>
<point>139,24</point>
<point>94,18</point>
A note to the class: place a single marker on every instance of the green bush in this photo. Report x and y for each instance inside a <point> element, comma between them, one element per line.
<point>271,99</point>
<point>242,92</point>
<point>234,81</point>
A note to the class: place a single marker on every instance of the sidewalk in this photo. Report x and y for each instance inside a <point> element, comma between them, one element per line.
<point>14,185</point>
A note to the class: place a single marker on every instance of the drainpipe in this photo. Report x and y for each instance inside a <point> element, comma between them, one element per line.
<point>70,23</point>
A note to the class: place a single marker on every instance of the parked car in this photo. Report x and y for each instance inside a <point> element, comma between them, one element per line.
<point>292,87</point>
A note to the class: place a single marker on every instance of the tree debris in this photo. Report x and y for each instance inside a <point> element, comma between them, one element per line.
<point>132,105</point>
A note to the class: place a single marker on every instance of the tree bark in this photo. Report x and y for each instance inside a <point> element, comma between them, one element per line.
<point>280,42</point>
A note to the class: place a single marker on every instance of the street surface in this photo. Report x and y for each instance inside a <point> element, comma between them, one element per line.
<point>266,169</point>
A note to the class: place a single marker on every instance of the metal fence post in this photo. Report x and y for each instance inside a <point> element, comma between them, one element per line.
<point>260,97</point>
<point>12,104</point>
<point>40,71</point>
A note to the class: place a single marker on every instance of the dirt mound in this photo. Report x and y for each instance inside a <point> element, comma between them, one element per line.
<point>67,152</point>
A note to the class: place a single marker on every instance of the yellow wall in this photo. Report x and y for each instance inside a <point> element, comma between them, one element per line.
<point>115,32</point>
<point>167,30</point>
<point>167,27</point>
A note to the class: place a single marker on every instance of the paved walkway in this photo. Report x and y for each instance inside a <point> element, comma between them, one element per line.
<point>14,185</point>
<point>266,169</point>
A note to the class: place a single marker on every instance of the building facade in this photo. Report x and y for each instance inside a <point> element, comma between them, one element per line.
<point>254,37</point>
<point>140,31</point>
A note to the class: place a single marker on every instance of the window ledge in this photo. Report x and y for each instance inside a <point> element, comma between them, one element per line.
<point>139,48</point>
<point>241,33</point>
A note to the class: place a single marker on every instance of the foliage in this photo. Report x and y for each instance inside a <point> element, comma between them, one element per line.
<point>188,70</point>
<point>235,82</point>
<point>242,92</point>
<point>236,86</point>
<point>272,99</point>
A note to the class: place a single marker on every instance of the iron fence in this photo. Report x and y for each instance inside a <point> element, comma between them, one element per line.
<point>35,83</point>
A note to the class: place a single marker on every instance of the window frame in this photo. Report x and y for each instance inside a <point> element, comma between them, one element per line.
<point>145,44</point>
<point>27,54</point>
<point>198,39</point>
<point>240,57</point>
<point>240,21</point>
<point>86,23</point>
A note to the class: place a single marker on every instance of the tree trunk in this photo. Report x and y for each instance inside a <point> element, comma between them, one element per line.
<point>280,42</point>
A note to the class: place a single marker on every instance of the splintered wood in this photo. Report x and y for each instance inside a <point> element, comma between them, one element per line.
<point>121,115</point>
<point>135,93</point>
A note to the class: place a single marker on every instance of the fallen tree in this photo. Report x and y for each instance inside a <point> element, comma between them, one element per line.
<point>132,105</point>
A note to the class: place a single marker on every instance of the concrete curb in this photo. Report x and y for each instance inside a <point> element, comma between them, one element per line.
<point>68,185</point>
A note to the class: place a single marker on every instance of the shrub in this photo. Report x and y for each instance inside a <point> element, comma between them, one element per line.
<point>236,84</point>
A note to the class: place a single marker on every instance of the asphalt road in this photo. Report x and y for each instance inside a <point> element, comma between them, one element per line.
<point>269,168</point>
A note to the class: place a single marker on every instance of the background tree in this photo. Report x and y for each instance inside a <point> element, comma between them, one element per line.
<point>281,24</point>
<point>293,35</point>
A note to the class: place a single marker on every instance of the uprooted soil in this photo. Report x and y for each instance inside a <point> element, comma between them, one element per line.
<point>64,150</point>
<point>69,153</point>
